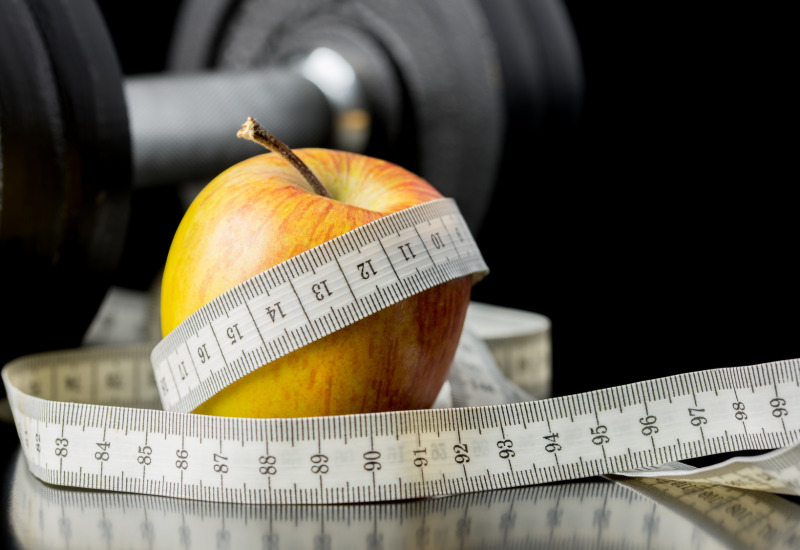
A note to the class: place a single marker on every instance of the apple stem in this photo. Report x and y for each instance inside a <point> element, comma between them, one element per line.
<point>253,131</point>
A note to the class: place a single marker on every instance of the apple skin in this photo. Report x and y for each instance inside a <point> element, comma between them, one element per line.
<point>261,212</point>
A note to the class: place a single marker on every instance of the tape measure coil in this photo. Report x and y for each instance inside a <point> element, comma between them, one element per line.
<point>388,456</point>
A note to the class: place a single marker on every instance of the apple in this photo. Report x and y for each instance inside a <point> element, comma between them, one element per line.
<point>265,210</point>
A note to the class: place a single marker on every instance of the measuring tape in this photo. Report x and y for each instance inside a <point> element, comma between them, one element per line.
<point>95,418</point>
<point>311,295</point>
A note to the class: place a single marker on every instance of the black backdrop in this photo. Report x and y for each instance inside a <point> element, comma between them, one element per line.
<point>660,236</point>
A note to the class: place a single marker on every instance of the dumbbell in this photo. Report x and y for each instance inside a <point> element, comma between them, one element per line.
<point>434,85</point>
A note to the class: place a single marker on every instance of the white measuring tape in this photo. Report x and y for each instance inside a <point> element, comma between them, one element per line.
<point>78,426</point>
<point>307,297</point>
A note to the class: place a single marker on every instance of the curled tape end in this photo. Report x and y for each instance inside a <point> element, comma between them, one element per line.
<point>478,276</point>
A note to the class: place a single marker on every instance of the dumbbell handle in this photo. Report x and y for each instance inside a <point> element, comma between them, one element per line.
<point>183,126</point>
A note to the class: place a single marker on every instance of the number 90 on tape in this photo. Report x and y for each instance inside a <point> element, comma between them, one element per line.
<point>403,455</point>
<point>124,442</point>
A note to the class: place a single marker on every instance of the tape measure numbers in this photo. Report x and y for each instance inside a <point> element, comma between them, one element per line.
<point>307,297</point>
<point>390,456</point>
<point>71,439</point>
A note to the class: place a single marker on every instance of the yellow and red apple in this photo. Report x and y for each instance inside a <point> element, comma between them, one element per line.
<point>261,212</point>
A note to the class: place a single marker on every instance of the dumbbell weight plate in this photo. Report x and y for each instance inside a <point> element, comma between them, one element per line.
<point>64,171</point>
<point>542,68</point>
<point>541,63</point>
<point>32,153</point>
<point>95,126</point>
<point>30,170</point>
<point>451,124</point>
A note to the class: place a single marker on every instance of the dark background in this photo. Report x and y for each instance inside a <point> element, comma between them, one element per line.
<point>659,236</point>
